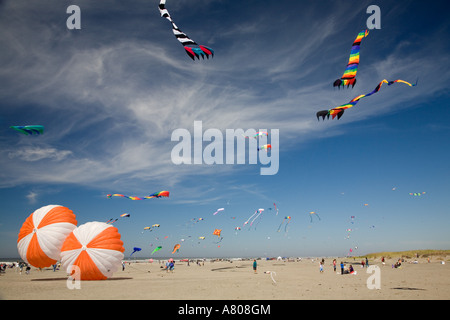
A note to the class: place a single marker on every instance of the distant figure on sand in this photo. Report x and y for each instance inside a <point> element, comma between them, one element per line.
<point>321,267</point>
<point>255,265</point>
<point>342,267</point>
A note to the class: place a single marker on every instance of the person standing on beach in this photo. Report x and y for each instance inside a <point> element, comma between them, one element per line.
<point>334,265</point>
<point>342,267</point>
<point>321,267</point>
<point>367,262</point>
<point>255,265</point>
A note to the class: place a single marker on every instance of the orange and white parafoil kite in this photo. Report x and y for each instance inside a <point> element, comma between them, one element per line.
<point>43,233</point>
<point>95,248</point>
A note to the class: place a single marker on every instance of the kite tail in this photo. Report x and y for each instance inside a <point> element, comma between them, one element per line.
<point>349,76</point>
<point>192,49</point>
<point>279,227</point>
<point>339,111</point>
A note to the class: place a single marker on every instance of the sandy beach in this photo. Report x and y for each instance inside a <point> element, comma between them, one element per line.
<point>225,280</point>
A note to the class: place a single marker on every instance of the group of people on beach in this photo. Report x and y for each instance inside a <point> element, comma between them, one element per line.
<point>349,270</point>
<point>19,266</point>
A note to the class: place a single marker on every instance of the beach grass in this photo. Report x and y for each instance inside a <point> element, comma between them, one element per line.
<point>409,254</point>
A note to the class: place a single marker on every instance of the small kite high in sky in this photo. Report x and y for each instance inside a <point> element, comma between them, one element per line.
<point>275,207</point>
<point>218,210</point>
<point>156,249</point>
<point>313,213</point>
<point>254,216</point>
<point>152,227</point>
<point>30,129</point>
<point>349,76</point>
<point>288,219</point>
<point>339,111</point>
<point>192,48</point>
<point>176,248</point>
<point>258,134</point>
<point>112,220</point>
<point>135,249</point>
<point>153,195</point>
<point>217,233</point>
<point>265,147</point>
<point>416,193</point>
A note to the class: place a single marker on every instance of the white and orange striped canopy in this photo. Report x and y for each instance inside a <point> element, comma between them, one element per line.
<point>95,248</point>
<point>43,233</point>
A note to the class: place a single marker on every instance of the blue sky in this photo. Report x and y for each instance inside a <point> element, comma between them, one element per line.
<point>111,94</point>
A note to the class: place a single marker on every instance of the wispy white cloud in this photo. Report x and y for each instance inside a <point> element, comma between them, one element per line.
<point>32,197</point>
<point>37,153</point>
<point>110,97</point>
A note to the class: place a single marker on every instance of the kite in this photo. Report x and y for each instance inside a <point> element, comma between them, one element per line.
<point>349,76</point>
<point>112,220</point>
<point>152,227</point>
<point>94,249</point>
<point>271,275</point>
<point>193,50</point>
<point>237,229</point>
<point>156,249</point>
<point>30,129</point>
<point>258,134</point>
<point>201,238</point>
<point>288,218</point>
<point>218,210</point>
<point>153,195</point>
<point>217,233</point>
<point>176,248</point>
<point>43,233</point>
<point>135,249</point>
<point>265,147</point>
<point>254,216</point>
<point>311,213</point>
<point>415,194</point>
<point>275,207</point>
<point>339,111</point>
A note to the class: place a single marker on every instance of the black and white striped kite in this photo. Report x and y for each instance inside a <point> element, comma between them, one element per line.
<point>192,48</point>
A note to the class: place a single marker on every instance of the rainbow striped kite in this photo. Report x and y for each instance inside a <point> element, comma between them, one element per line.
<point>339,111</point>
<point>154,195</point>
<point>349,76</point>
